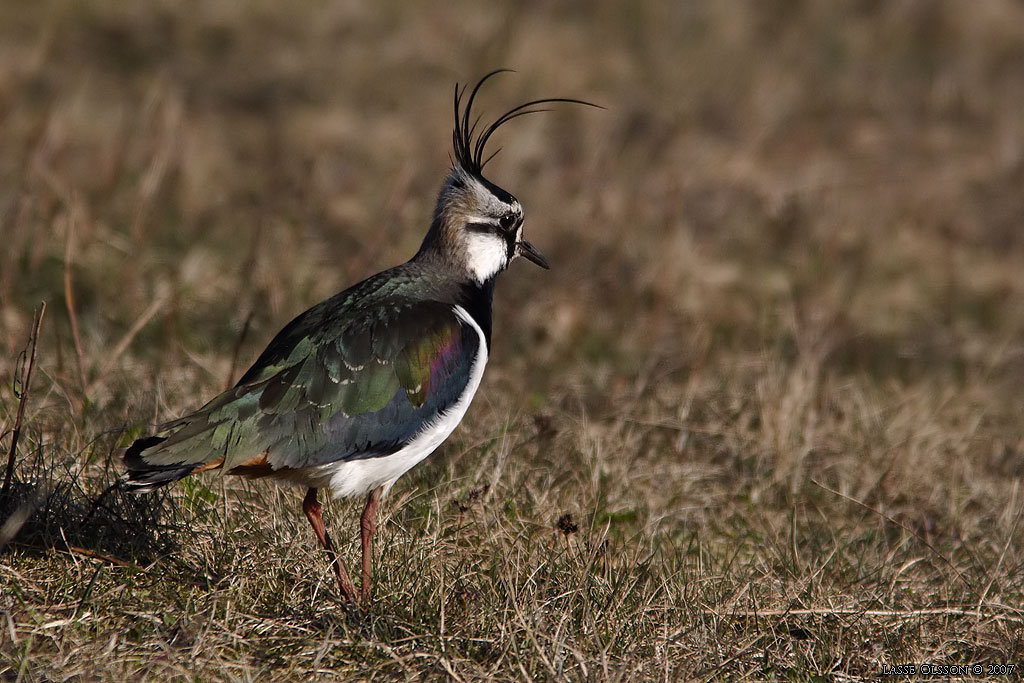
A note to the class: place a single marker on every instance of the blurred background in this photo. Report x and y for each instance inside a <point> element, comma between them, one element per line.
<point>786,256</point>
<point>777,193</point>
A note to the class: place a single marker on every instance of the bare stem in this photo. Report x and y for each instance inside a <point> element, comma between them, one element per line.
<point>29,364</point>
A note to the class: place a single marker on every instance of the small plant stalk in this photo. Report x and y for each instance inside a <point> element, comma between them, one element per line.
<point>29,363</point>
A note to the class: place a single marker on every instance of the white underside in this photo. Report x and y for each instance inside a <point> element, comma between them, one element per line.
<point>358,477</point>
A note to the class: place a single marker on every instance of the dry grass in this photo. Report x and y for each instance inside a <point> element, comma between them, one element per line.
<point>774,376</point>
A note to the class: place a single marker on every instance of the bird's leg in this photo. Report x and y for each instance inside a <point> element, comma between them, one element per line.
<point>368,525</point>
<point>311,506</point>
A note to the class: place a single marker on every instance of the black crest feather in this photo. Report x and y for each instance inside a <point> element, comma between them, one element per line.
<point>469,152</point>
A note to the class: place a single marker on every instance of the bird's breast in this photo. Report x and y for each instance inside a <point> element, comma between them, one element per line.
<point>356,477</point>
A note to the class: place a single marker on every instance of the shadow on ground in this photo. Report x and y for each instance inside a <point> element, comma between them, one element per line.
<point>46,508</point>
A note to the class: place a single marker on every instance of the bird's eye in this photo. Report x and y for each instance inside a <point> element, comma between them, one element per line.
<point>507,221</point>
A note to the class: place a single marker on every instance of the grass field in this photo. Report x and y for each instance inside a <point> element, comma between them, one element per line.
<point>761,420</point>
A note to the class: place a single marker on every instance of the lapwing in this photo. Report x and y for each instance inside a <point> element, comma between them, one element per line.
<point>363,386</point>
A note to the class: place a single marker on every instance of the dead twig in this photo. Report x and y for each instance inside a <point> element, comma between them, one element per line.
<point>1002,556</point>
<point>902,526</point>
<point>95,555</point>
<point>28,364</point>
<point>238,350</point>
<point>126,340</point>
<point>243,300</point>
<point>876,613</point>
<point>69,296</point>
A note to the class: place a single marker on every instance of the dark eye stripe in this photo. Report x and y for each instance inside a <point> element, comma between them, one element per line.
<point>502,224</point>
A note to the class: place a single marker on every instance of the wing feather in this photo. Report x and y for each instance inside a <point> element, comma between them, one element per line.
<point>324,392</point>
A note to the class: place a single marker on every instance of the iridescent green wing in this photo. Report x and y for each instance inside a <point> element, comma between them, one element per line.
<point>333,388</point>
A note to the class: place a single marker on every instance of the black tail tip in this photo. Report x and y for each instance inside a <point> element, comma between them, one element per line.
<point>143,477</point>
<point>135,450</point>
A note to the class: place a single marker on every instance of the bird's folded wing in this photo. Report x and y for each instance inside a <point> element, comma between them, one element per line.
<point>325,391</point>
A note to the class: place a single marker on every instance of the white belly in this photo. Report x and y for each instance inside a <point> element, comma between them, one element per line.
<point>357,477</point>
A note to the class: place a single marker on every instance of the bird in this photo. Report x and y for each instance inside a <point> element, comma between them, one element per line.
<point>360,388</point>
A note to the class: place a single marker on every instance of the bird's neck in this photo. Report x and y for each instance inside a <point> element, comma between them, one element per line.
<point>437,254</point>
<point>477,300</point>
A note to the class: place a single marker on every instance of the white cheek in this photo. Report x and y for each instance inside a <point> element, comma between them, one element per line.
<point>486,256</point>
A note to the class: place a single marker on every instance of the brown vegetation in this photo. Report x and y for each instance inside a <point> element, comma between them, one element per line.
<point>762,419</point>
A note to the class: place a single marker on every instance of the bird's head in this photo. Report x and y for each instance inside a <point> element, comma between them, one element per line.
<point>478,226</point>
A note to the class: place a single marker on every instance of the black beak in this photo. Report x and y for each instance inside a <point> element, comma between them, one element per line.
<point>524,248</point>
